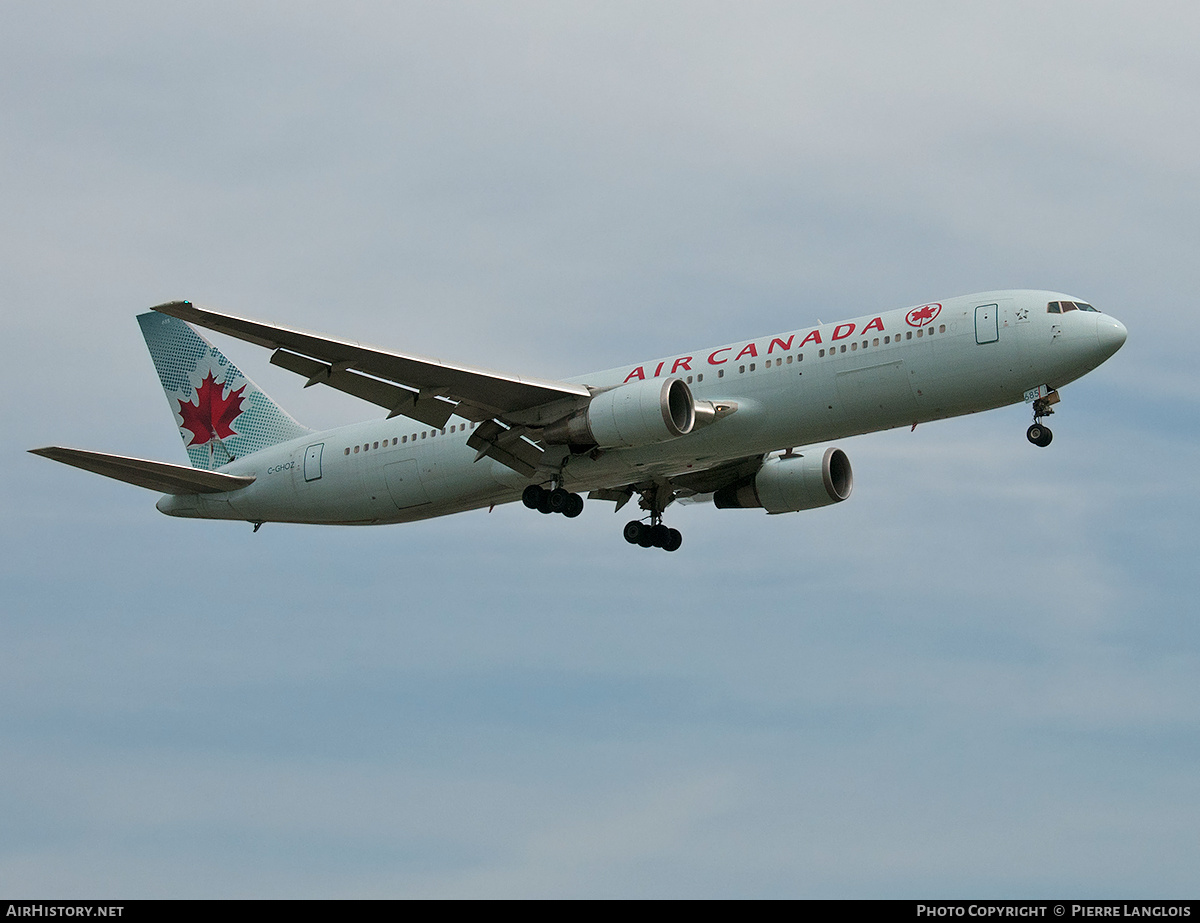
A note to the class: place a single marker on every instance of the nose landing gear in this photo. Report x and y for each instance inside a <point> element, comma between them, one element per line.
<point>1039,434</point>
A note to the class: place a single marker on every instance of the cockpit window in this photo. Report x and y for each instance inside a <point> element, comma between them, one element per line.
<point>1062,307</point>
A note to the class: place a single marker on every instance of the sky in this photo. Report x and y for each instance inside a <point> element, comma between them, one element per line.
<point>979,677</point>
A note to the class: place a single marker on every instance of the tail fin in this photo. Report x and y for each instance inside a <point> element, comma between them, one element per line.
<point>221,414</point>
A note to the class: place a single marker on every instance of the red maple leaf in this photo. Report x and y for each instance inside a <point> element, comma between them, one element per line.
<point>212,415</point>
<point>924,314</point>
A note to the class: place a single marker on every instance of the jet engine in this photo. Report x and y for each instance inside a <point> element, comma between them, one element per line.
<point>789,483</point>
<point>634,414</point>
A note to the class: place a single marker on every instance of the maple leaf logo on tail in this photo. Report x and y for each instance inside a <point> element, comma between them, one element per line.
<point>212,416</point>
<point>214,426</point>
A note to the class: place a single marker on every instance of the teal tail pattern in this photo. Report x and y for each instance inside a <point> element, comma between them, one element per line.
<point>221,414</point>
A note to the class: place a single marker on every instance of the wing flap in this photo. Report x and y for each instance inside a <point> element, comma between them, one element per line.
<point>496,393</point>
<point>153,475</point>
<point>396,400</point>
<point>492,440</point>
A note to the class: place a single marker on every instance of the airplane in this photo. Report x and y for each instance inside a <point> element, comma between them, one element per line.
<point>741,424</point>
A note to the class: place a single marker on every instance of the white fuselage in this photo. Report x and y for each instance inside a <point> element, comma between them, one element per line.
<point>808,386</point>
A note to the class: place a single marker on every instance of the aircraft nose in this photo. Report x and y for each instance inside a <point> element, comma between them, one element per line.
<point>1110,334</point>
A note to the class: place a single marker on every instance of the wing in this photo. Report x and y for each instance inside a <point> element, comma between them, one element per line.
<point>419,387</point>
<point>161,476</point>
<point>666,490</point>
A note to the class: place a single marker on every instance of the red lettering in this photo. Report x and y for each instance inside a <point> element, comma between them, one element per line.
<point>751,350</point>
<point>658,371</point>
<point>815,337</point>
<point>837,331</point>
<point>876,324</point>
<point>712,359</point>
<point>636,373</point>
<point>682,362</point>
<point>782,345</point>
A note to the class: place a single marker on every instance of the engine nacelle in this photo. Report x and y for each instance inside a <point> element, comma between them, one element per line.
<point>634,414</point>
<point>788,484</point>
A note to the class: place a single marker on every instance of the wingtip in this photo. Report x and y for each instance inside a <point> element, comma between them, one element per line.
<point>168,307</point>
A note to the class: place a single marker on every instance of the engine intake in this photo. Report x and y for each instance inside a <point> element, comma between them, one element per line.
<point>634,414</point>
<point>790,483</point>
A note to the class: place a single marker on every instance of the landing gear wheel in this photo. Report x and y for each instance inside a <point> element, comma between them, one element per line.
<point>1039,435</point>
<point>659,535</point>
<point>633,531</point>
<point>532,496</point>
<point>544,503</point>
<point>673,540</point>
<point>559,498</point>
<point>574,506</point>
<point>646,537</point>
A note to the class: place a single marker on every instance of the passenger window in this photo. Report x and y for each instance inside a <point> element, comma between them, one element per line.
<point>875,342</point>
<point>821,354</point>
<point>908,334</point>
<point>356,450</point>
<point>741,369</point>
<point>700,378</point>
<point>720,373</point>
<point>347,450</point>
<point>752,366</point>
<point>843,347</point>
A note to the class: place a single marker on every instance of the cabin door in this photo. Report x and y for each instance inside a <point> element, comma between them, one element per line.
<point>987,323</point>
<point>312,462</point>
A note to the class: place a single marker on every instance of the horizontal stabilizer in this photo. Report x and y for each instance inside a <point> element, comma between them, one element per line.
<point>153,475</point>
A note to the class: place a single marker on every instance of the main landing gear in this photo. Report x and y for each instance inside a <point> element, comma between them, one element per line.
<point>648,535</point>
<point>655,534</point>
<point>1039,434</point>
<point>557,500</point>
